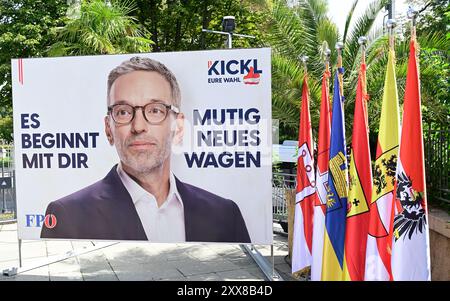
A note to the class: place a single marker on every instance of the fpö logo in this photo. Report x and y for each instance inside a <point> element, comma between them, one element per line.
<point>234,71</point>
<point>36,220</point>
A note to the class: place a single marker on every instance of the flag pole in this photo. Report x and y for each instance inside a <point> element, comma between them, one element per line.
<point>339,46</point>
<point>327,64</point>
<point>304,59</point>
<point>327,59</point>
<point>390,24</point>
<point>362,41</point>
<point>412,14</point>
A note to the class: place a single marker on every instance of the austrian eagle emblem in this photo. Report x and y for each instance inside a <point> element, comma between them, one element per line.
<point>412,218</point>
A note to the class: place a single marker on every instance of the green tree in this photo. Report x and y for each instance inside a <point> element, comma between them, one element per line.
<point>434,15</point>
<point>305,29</point>
<point>177,24</point>
<point>433,24</point>
<point>6,129</point>
<point>102,27</point>
<point>27,28</point>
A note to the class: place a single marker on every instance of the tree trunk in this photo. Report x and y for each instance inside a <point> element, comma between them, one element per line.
<point>153,16</point>
<point>178,34</point>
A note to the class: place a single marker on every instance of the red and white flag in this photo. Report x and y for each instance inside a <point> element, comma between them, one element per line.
<point>320,203</point>
<point>305,191</point>
<point>410,244</point>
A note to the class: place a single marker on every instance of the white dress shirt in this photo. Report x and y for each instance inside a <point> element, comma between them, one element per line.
<point>161,224</point>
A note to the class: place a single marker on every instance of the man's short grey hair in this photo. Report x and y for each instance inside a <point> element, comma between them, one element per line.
<point>146,64</point>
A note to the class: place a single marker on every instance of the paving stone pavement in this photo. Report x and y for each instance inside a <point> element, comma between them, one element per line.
<point>136,261</point>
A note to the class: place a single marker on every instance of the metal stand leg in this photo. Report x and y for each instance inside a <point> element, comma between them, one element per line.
<point>275,275</point>
<point>262,262</point>
<point>273,261</point>
<point>55,258</point>
<point>20,253</point>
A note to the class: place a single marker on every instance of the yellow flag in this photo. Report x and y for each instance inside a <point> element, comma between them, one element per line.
<point>379,242</point>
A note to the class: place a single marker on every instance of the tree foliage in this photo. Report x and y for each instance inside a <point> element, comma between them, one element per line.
<point>434,15</point>
<point>6,129</point>
<point>305,29</point>
<point>177,24</point>
<point>433,26</point>
<point>102,28</point>
<point>27,28</point>
<point>34,28</point>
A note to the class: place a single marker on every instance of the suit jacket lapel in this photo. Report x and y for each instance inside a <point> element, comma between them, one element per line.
<point>123,211</point>
<point>190,211</point>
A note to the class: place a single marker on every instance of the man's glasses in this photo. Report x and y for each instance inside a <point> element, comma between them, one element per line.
<point>154,112</point>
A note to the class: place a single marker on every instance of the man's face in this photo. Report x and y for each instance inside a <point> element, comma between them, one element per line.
<point>143,147</point>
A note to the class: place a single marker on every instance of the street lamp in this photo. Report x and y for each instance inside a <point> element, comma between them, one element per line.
<point>228,23</point>
<point>228,26</point>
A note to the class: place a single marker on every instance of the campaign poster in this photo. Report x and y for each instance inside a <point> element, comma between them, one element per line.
<point>160,147</point>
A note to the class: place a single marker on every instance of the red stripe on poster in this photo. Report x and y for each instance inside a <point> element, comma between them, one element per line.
<point>20,71</point>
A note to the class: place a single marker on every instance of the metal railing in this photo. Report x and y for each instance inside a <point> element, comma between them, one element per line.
<point>8,207</point>
<point>282,184</point>
<point>437,164</point>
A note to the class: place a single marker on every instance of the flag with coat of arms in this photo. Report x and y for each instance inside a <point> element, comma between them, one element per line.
<point>335,218</point>
<point>411,243</point>
<point>320,203</point>
<point>305,190</point>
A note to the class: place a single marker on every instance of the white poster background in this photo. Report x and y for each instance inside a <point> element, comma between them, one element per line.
<point>69,95</point>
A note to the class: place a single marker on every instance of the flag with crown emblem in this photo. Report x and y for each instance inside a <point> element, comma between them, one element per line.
<point>335,218</point>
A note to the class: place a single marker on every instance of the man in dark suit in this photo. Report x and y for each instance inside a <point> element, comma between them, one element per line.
<point>140,198</point>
